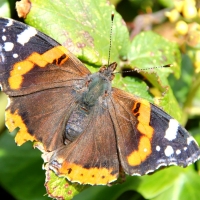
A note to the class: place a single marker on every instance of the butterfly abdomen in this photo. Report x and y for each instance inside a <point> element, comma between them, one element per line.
<point>76,124</point>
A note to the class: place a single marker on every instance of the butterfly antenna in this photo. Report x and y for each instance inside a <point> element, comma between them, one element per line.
<point>112,19</point>
<point>138,70</point>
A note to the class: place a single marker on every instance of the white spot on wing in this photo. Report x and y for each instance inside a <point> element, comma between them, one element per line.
<point>8,46</point>
<point>149,171</point>
<point>135,174</point>
<point>26,35</point>
<point>171,132</point>
<point>157,148</point>
<point>15,55</point>
<point>4,38</point>
<point>145,150</point>
<point>161,165</point>
<point>185,148</point>
<point>169,151</point>
<point>173,163</point>
<point>10,22</point>
<point>178,151</point>
<point>4,30</point>
<point>189,139</point>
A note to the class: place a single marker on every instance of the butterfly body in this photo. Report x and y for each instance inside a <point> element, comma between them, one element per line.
<point>95,89</point>
<point>89,130</point>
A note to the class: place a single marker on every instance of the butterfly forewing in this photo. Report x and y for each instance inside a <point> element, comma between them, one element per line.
<point>31,61</point>
<point>38,75</point>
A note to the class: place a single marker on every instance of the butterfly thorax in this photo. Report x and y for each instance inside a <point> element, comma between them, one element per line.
<point>96,89</point>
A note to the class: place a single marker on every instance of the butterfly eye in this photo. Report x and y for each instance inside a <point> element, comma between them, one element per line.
<point>102,69</point>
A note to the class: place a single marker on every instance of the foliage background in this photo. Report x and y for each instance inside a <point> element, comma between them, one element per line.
<point>21,174</point>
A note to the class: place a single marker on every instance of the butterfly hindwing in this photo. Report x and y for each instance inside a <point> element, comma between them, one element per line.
<point>92,158</point>
<point>147,137</point>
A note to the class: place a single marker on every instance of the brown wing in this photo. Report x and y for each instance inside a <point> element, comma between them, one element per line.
<point>41,116</point>
<point>38,75</point>
<point>92,158</point>
<point>147,137</point>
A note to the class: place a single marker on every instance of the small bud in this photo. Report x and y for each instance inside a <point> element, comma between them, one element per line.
<point>173,15</point>
<point>182,27</point>
<point>189,10</point>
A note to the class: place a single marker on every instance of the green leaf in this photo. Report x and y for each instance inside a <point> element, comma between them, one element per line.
<point>21,170</point>
<point>133,85</point>
<point>108,193</point>
<point>83,27</point>
<point>182,85</point>
<point>167,3</point>
<point>171,106</point>
<point>172,183</point>
<point>60,187</point>
<point>149,50</point>
<point>5,8</point>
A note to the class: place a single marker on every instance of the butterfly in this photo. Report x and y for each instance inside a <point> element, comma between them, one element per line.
<point>90,130</point>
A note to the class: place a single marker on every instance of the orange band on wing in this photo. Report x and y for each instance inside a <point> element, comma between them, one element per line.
<point>144,119</point>
<point>144,150</point>
<point>16,75</point>
<point>12,122</point>
<point>76,173</point>
<point>142,111</point>
<point>21,68</point>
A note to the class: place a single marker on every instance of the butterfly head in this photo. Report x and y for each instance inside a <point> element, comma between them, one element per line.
<point>107,71</point>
